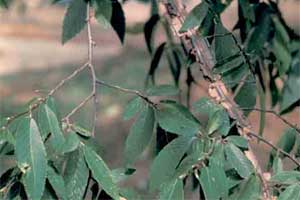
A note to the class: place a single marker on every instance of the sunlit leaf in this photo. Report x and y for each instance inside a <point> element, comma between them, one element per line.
<point>238,161</point>
<point>132,108</point>
<point>101,172</point>
<point>31,158</point>
<point>172,190</point>
<point>76,177</point>
<point>291,192</point>
<point>177,119</point>
<point>57,182</point>
<point>164,165</point>
<point>140,135</point>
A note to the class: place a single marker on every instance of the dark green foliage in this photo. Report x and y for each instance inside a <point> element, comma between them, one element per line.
<point>55,158</point>
<point>75,19</point>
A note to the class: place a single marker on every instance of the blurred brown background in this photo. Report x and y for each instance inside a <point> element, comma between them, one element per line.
<point>32,58</point>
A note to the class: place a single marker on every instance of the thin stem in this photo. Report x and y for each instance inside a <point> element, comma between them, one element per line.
<point>91,44</point>
<point>274,147</point>
<point>276,114</point>
<point>77,108</point>
<point>135,92</point>
<point>40,101</point>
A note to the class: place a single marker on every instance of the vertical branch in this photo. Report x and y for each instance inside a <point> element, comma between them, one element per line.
<point>91,44</point>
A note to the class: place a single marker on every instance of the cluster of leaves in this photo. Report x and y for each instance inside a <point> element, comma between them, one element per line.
<point>54,160</point>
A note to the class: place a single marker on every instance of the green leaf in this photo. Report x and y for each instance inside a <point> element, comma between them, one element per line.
<point>76,177</point>
<point>149,28</point>
<point>219,121</point>
<point>277,165</point>
<point>246,97</point>
<point>72,142</point>
<point>7,136</point>
<point>172,190</point>
<point>247,10</point>
<point>163,90</point>
<point>57,183</point>
<point>133,107</point>
<point>176,118</point>
<point>31,158</point>
<point>238,161</point>
<point>286,141</point>
<point>213,180</point>
<point>103,12</point>
<point>290,93</point>
<point>57,138</point>
<point>195,17</point>
<point>3,4</point>
<point>286,177</point>
<point>291,192</point>
<point>81,131</point>
<point>191,159</point>
<point>117,20</point>
<point>249,189</point>
<point>164,165</point>
<point>140,135</point>
<point>42,117</point>
<point>101,172</point>
<point>74,20</point>
<point>283,56</point>
<point>225,46</point>
<point>238,141</point>
<point>121,174</point>
<point>155,61</point>
<point>205,106</point>
<point>259,35</point>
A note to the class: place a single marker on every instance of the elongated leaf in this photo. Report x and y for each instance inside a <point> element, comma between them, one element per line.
<point>103,12</point>
<point>72,142</point>
<point>133,107</point>
<point>42,117</point>
<point>238,161</point>
<point>80,130</point>
<point>121,174</point>
<point>205,106</point>
<point>259,35</point>
<point>74,20</point>
<point>162,90</point>
<point>177,119</point>
<point>213,180</point>
<point>149,28</point>
<point>57,139</point>
<point>238,141</point>
<point>286,177</point>
<point>164,165</point>
<point>291,192</point>
<point>57,183</point>
<point>219,121</point>
<point>31,158</point>
<point>76,176</point>
<point>286,142</point>
<point>101,172</point>
<point>195,17</point>
<point>282,54</point>
<point>140,135</point>
<point>291,94</point>
<point>117,20</point>
<point>246,97</point>
<point>172,190</point>
<point>225,46</point>
<point>249,189</point>
<point>155,60</point>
